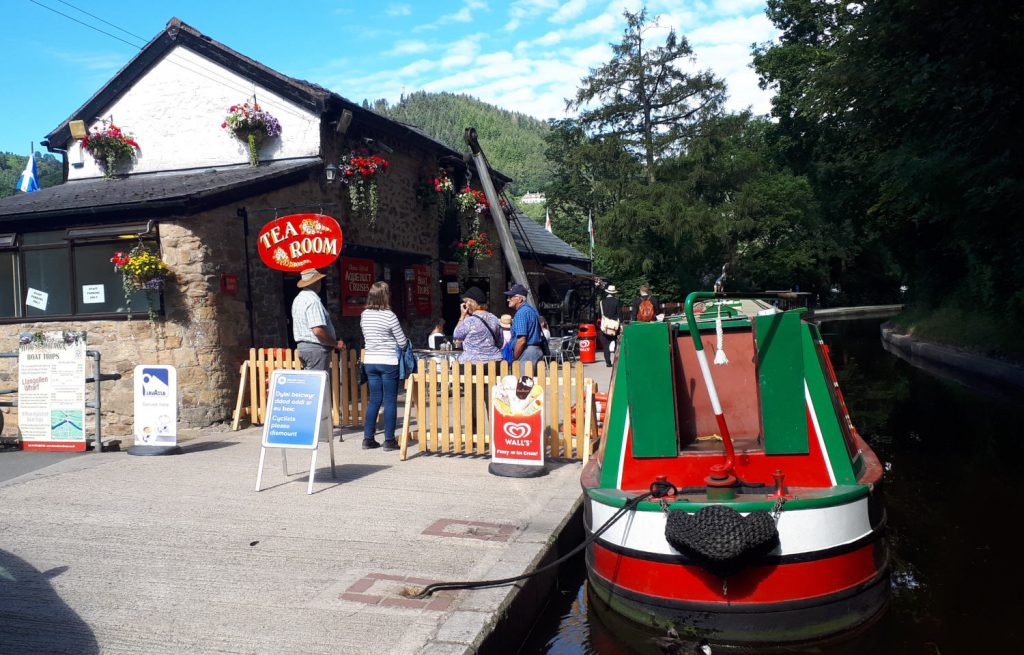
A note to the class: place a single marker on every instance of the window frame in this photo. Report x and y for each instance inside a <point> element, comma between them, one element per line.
<point>114,235</point>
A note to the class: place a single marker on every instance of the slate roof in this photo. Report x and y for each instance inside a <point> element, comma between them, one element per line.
<point>173,192</point>
<point>531,237</point>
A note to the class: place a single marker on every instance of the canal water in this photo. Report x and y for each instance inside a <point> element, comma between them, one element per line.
<point>953,451</point>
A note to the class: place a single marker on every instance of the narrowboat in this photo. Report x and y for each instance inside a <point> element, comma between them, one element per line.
<point>733,500</point>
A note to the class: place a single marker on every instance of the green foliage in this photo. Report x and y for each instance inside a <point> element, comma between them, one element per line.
<point>907,125</point>
<point>48,168</point>
<point>590,174</point>
<point>646,100</point>
<point>513,142</point>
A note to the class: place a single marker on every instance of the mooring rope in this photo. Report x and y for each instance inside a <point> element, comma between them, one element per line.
<point>657,491</point>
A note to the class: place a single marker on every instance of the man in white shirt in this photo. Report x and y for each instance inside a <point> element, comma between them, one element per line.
<point>311,326</point>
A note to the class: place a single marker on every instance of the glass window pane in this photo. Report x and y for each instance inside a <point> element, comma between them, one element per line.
<point>46,291</point>
<point>40,238</point>
<point>8,285</point>
<point>99,286</point>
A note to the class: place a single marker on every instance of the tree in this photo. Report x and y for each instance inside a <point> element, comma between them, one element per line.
<point>648,102</point>
<point>906,117</point>
<point>49,171</point>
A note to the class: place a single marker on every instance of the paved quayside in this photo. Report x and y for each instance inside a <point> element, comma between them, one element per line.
<point>120,554</point>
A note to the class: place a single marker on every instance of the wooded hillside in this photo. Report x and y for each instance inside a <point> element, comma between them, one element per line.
<point>513,142</point>
<point>48,169</point>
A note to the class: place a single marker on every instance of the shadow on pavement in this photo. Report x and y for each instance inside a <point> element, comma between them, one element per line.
<point>345,472</point>
<point>33,618</point>
<point>198,447</point>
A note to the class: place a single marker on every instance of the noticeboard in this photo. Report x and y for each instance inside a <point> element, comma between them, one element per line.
<point>51,390</point>
<point>297,410</point>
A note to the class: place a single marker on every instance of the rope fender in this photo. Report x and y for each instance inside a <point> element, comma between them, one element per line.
<point>721,539</point>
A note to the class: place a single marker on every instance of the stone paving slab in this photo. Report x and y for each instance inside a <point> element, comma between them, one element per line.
<point>111,553</point>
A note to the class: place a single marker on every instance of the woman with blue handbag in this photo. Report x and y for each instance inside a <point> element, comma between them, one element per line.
<point>384,340</point>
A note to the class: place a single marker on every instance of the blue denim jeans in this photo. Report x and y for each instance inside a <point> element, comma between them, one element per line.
<point>382,379</point>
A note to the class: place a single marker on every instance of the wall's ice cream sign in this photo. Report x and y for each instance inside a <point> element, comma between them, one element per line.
<point>300,241</point>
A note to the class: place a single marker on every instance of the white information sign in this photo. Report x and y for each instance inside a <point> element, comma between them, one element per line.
<point>92,294</point>
<point>156,406</point>
<point>51,390</point>
<point>36,298</point>
<point>298,414</point>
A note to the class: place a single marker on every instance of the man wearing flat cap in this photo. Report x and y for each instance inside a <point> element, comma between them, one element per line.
<point>526,333</point>
<point>311,326</point>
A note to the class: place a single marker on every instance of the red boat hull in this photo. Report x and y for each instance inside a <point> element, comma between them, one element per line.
<point>796,601</point>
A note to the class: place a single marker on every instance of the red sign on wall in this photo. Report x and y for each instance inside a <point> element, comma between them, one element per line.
<point>356,279</point>
<point>422,289</point>
<point>300,241</point>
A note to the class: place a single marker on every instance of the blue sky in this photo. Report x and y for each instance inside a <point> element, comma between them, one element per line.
<point>522,55</point>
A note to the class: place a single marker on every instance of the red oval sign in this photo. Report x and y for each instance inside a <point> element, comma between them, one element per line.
<point>300,241</point>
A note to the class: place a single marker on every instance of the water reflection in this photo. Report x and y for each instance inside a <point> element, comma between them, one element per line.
<point>951,455</point>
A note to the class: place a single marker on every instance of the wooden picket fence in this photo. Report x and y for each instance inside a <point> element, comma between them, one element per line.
<point>348,399</point>
<point>452,407</point>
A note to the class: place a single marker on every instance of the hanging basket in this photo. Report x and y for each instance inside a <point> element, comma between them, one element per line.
<point>254,139</point>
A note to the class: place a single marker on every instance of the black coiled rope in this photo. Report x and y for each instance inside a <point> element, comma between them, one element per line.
<point>657,491</point>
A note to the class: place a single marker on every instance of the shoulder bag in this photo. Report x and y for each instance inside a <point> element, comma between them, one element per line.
<point>609,326</point>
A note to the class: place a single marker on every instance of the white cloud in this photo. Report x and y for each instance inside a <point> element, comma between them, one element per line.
<point>531,9</point>
<point>466,14</point>
<point>408,48</point>
<point>733,7</point>
<point>398,10</point>
<point>741,29</point>
<point>536,74</point>
<point>568,11</point>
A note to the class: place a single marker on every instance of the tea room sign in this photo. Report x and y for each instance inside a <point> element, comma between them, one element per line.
<point>300,241</point>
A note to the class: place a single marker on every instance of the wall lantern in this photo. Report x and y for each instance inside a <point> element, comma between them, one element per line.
<point>330,172</point>
<point>77,129</point>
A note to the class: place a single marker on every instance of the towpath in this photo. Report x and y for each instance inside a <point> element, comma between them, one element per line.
<point>112,553</point>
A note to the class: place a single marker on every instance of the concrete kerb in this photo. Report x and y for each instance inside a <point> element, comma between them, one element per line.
<point>954,358</point>
<point>500,615</point>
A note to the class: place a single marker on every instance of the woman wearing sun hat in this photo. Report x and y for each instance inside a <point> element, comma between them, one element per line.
<point>506,328</point>
<point>611,315</point>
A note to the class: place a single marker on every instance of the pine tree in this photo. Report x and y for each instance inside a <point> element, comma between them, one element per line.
<point>648,102</point>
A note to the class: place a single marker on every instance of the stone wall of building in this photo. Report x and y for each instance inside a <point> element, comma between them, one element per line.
<point>205,333</point>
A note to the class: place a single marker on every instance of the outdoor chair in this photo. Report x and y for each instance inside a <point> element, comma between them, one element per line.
<point>555,345</point>
<point>568,350</point>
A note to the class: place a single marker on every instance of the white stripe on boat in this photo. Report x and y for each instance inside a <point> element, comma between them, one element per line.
<point>622,451</point>
<point>800,531</point>
<point>817,432</point>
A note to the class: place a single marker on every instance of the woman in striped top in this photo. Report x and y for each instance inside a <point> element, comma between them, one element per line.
<point>381,333</point>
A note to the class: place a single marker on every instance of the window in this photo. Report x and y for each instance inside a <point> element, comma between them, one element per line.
<point>62,273</point>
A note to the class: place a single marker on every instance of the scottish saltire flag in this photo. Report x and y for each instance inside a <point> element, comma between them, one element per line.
<point>590,230</point>
<point>28,181</point>
<point>547,222</point>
